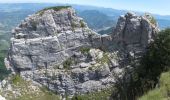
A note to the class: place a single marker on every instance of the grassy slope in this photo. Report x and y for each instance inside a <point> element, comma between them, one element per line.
<point>27,91</point>
<point>101,95</point>
<point>162,92</point>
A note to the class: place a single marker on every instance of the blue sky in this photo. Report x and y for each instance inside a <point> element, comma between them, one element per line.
<point>154,6</point>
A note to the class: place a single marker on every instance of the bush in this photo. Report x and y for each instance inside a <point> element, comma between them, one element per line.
<point>161,93</point>
<point>157,57</point>
<point>150,18</point>
<point>16,79</point>
<point>100,95</point>
<point>82,24</point>
<point>155,61</point>
<point>84,50</point>
<point>146,76</point>
<point>67,63</point>
<point>104,59</point>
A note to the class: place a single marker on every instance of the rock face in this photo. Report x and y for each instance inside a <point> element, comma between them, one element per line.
<point>56,49</point>
<point>135,31</point>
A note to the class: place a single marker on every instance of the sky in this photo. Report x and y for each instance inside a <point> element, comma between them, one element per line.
<point>154,6</point>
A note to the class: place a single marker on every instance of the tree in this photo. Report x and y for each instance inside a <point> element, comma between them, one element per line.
<point>145,76</point>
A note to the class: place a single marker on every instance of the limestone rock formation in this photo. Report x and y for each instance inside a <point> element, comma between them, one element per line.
<point>52,47</point>
<point>135,31</point>
<point>56,49</point>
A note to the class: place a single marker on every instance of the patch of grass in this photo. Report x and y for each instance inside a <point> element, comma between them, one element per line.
<point>67,63</point>
<point>56,8</point>
<point>16,79</point>
<point>161,93</point>
<point>73,25</point>
<point>84,50</point>
<point>101,95</point>
<point>43,95</point>
<point>27,91</point>
<point>104,59</point>
<point>82,24</point>
<point>150,18</point>
<point>153,20</point>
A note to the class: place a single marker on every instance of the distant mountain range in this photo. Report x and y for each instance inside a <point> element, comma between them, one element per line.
<point>97,18</point>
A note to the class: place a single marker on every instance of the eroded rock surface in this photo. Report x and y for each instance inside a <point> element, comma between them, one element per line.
<point>59,51</point>
<point>134,31</point>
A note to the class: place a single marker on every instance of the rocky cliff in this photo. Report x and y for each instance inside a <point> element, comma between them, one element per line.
<point>56,49</point>
<point>135,31</point>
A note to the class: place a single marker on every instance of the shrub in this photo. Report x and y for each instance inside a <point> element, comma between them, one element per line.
<point>100,95</point>
<point>16,79</point>
<point>73,25</point>
<point>145,76</point>
<point>155,61</point>
<point>90,68</point>
<point>82,24</point>
<point>67,63</point>
<point>150,18</point>
<point>157,57</point>
<point>162,92</point>
<point>104,59</point>
<point>84,50</point>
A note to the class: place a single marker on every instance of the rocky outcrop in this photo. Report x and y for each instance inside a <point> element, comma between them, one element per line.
<point>134,31</point>
<point>132,35</point>
<point>56,49</point>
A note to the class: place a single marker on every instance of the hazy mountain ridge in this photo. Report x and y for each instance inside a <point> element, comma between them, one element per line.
<point>97,20</point>
<point>112,13</point>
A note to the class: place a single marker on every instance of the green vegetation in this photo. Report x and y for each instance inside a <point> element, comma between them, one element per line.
<point>151,18</point>
<point>56,8</point>
<point>82,24</point>
<point>16,79</point>
<point>104,59</point>
<point>84,50</point>
<point>156,61</point>
<point>27,91</point>
<point>161,93</point>
<point>101,95</point>
<point>73,25</point>
<point>3,53</point>
<point>146,76</point>
<point>90,68</point>
<point>153,21</point>
<point>67,63</point>
<point>157,58</point>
